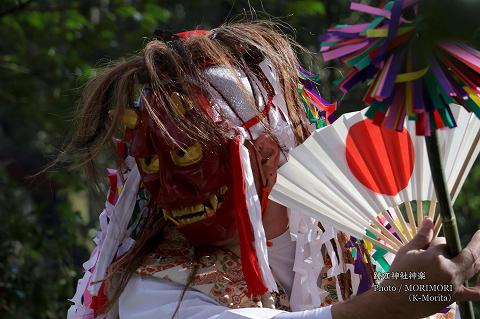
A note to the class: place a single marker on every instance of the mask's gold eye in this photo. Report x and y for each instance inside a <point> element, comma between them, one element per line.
<point>149,165</point>
<point>188,156</point>
<point>130,118</point>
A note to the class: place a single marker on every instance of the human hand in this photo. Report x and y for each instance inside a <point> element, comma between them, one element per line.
<point>393,297</point>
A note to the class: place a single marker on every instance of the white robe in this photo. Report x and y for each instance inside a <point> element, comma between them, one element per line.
<point>151,298</point>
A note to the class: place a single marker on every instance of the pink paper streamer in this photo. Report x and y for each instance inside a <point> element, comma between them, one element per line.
<point>343,51</point>
<point>464,56</point>
<point>360,7</point>
<point>333,38</point>
<point>471,50</point>
<point>354,28</point>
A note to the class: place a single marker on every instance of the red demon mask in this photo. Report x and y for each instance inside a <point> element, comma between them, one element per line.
<point>190,183</point>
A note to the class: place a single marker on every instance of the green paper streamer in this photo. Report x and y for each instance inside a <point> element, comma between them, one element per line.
<point>379,255</point>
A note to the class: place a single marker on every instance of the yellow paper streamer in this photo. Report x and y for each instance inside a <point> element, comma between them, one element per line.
<point>473,94</point>
<point>383,33</point>
<point>368,245</point>
<point>365,260</point>
<point>411,76</point>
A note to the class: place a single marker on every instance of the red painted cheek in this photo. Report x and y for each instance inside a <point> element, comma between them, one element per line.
<point>381,159</point>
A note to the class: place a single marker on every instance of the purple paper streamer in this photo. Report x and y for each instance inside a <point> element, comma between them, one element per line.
<point>440,76</point>
<point>351,243</point>
<point>401,120</point>
<point>395,20</point>
<point>394,109</point>
<point>318,96</point>
<point>392,30</point>
<point>384,69</point>
<point>330,38</point>
<point>304,71</point>
<point>344,35</point>
<point>361,269</point>
<point>444,310</point>
<point>395,233</point>
<point>418,102</point>
<point>332,118</point>
<point>391,76</point>
<point>325,37</point>
<point>360,76</point>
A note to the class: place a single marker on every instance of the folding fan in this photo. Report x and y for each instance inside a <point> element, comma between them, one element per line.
<point>354,175</point>
<point>412,73</point>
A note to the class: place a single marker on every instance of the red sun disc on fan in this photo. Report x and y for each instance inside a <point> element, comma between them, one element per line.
<point>381,159</point>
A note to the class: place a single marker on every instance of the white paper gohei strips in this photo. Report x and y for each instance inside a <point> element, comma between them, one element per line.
<point>117,228</point>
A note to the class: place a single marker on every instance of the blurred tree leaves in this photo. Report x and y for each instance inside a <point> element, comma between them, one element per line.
<point>48,50</point>
<point>307,8</point>
<point>39,243</point>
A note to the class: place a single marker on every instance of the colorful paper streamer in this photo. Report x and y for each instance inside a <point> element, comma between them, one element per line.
<point>404,79</point>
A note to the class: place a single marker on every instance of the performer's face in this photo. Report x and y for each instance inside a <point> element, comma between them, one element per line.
<point>192,184</point>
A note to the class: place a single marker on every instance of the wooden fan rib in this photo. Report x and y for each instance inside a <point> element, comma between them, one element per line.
<point>431,210</point>
<point>390,220</point>
<point>411,218</point>
<point>394,242</point>
<point>420,215</point>
<point>403,223</point>
<point>437,227</point>
<point>383,237</point>
<point>381,245</point>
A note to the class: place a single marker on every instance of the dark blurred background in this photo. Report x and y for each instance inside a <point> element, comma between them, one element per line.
<point>48,50</point>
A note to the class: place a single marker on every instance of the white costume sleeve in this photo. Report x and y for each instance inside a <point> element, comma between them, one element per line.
<point>149,298</point>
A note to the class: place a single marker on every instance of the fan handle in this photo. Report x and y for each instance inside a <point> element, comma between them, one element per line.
<point>447,215</point>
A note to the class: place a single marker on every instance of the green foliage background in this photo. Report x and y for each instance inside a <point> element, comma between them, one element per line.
<point>48,50</point>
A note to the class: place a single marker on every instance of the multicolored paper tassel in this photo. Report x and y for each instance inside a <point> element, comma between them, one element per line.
<point>405,77</point>
<point>318,111</point>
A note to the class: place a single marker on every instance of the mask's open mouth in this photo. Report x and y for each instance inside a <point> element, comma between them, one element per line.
<point>192,214</point>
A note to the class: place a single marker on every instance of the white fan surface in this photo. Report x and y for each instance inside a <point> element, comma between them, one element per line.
<point>319,181</point>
